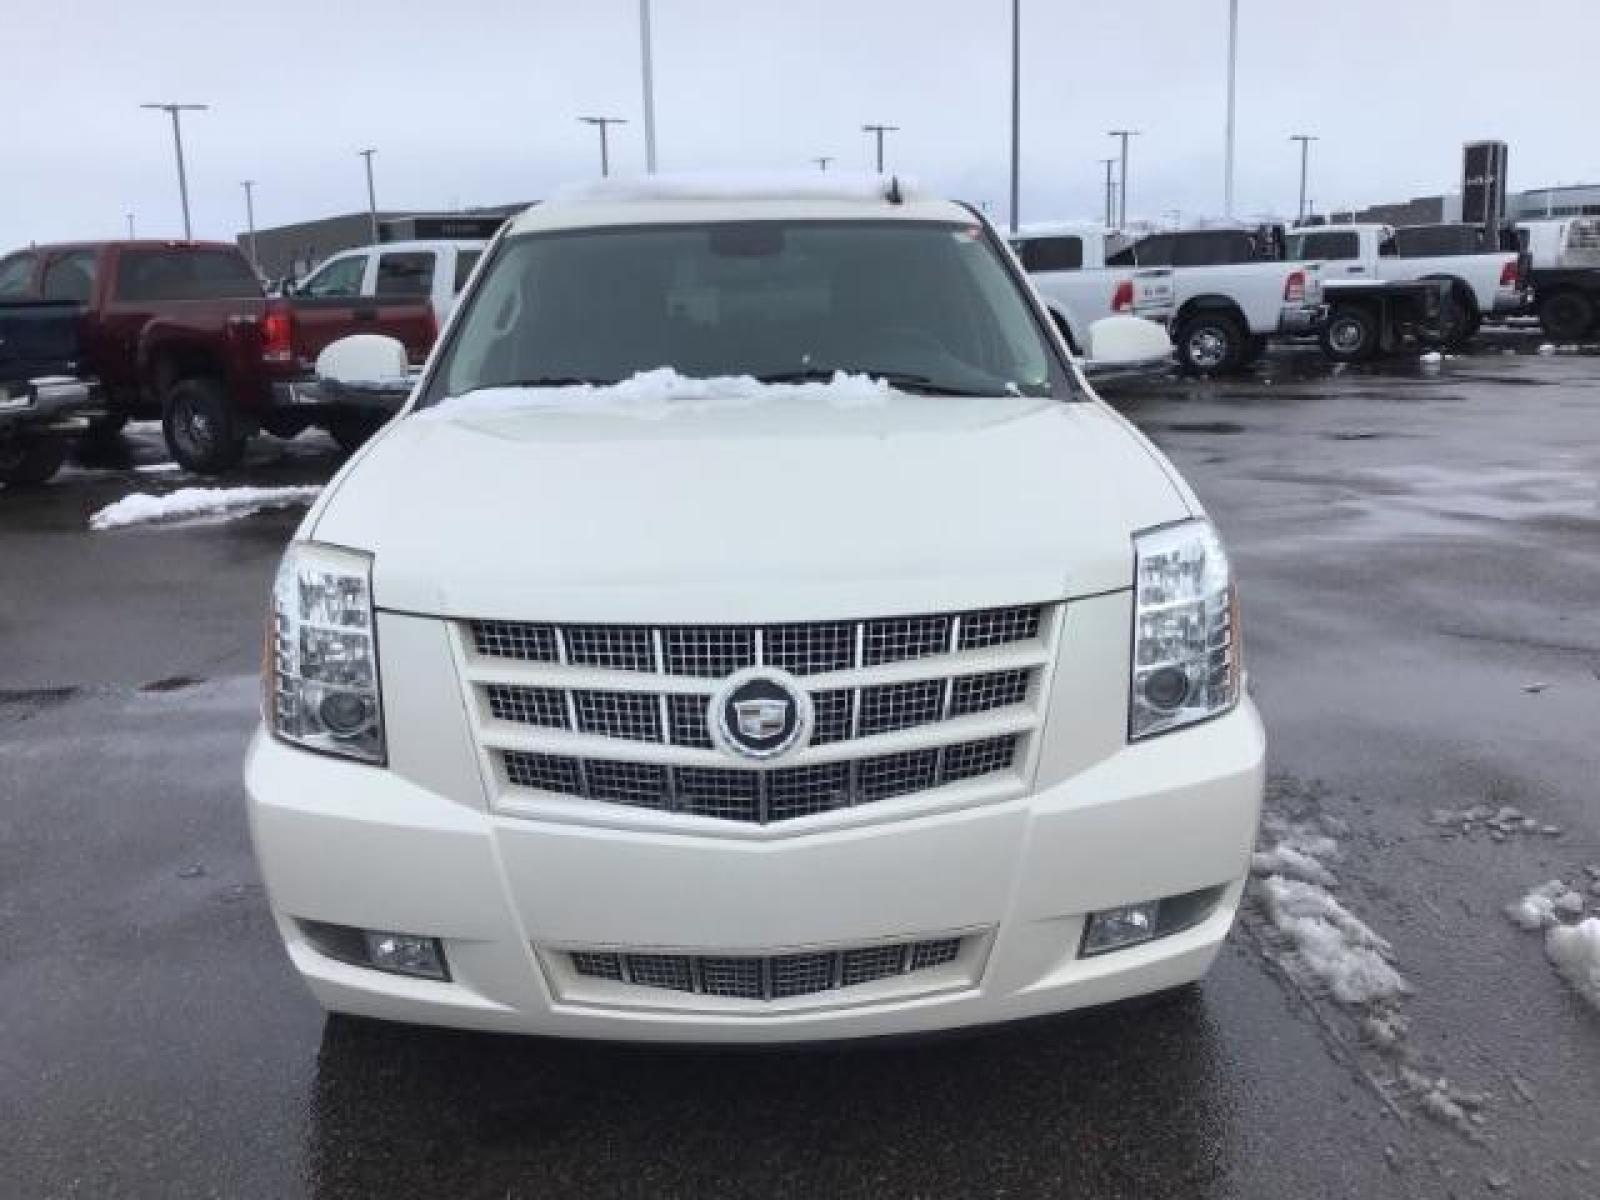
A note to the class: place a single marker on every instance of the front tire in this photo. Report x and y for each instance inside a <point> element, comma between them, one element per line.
<point>29,462</point>
<point>201,428</point>
<point>1351,335</point>
<point>1458,321</point>
<point>1566,316</point>
<point>1210,344</point>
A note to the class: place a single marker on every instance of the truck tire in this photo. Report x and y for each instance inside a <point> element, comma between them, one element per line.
<point>1210,343</point>
<point>1566,315</point>
<point>1350,334</point>
<point>201,429</point>
<point>27,462</point>
<point>1458,320</point>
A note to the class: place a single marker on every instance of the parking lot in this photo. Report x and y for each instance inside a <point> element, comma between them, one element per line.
<point>1419,551</point>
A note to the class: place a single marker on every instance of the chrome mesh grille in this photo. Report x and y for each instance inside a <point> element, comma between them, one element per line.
<point>895,706</point>
<point>529,705</point>
<point>686,721</point>
<point>755,795</point>
<point>715,651</point>
<point>832,723</point>
<point>984,693</point>
<point>635,716</point>
<point>770,977</point>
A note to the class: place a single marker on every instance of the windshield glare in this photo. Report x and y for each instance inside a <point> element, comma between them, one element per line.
<point>929,306</point>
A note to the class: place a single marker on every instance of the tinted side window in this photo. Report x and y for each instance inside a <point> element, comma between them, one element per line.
<point>1427,241</point>
<point>1213,248</point>
<point>465,261</point>
<point>1152,251</point>
<point>16,276</point>
<point>405,274</point>
<point>71,277</point>
<point>1332,246</point>
<point>1052,254</point>
<point>185,275</point>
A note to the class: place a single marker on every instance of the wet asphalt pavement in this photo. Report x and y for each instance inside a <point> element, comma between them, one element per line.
<point>1419,553</point>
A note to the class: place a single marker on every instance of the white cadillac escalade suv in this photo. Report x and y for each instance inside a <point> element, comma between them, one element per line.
<point>752,629</point>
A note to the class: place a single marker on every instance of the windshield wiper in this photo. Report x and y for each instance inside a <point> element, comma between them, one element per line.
<point>904,380</point>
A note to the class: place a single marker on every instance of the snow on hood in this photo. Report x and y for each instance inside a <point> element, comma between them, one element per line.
<point>840,498</point>
<point>190,504</point>
<point>653,395</point>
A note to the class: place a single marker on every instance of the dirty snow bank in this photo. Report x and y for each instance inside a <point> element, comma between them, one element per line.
<point>652,395</point>
<point>1543,906</point>
<point>141,508</point>
<point>1573,948</point>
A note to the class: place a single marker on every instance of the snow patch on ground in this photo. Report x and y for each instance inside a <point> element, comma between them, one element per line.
<point>653,395</point>
<point>1335,946</point>
<point>1545,905</point>
<point>187,504</point>
<point>1575,951</point>
<point>1431,359</point>
<point>158,468</point>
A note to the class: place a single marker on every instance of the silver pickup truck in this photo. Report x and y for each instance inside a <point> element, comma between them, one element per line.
<point>44,400</point>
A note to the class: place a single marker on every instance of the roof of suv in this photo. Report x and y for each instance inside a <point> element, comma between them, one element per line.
<point>719,196</point>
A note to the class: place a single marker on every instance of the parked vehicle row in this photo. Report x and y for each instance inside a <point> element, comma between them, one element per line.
<point>181,331</point>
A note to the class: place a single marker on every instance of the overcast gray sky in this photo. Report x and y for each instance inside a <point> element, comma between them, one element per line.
<point>474,101</point>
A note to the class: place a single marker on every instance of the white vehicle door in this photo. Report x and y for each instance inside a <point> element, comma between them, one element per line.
<point>408,273</point>
<point>1339,251</point>
<point>341,275</point>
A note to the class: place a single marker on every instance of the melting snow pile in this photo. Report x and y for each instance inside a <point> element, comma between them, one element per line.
<point>1573,948</point>
<point>653,395</point>
<point>198,503</point>
<point>1331,945</point>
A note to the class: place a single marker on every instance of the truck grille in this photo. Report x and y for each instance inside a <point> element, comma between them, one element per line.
<point>619,714</point>
<point>766,977</point>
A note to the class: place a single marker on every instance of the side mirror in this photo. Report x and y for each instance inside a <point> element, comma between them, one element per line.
<point>1121,346</point>
<point>367,362</point>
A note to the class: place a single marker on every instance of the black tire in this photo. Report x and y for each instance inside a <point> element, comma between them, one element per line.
<point>1566,316</point>
<point>352,432</point>
<point>1350,334</point>
<point>201,429</point>
<point>1458,320</point>
<point>28,462</point>
<point>1210,343</point>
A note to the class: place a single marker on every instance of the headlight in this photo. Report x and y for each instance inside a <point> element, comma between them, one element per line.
<point>322,656</point>
<point>1186,629</point>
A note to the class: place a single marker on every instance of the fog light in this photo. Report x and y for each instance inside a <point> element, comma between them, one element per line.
<point>1167,688</point>
<point>405,954</point>
<point>398,953</point>
<point>1116,928</point>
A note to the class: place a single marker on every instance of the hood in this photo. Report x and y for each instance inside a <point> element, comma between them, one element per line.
<point>760,510</point>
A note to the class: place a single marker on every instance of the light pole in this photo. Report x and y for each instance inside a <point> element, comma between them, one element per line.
<point>131,234</point>
<point>1305,140</point>
<point>822,161</point>
<point>1233,55</point>
<point>1108,163</point>
<point>250,219</point>
<point>372,194</point>
<point>605,153</point>
<point>1122,194</point>
<point>1016,108</point>
<point>879,131</point>
<point>173,110</point>
<point>646,60</point>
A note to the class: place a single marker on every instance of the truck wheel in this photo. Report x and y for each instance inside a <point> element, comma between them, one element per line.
<point>1210,344</point>
<point>352,432</point>
<point>201,429</point>
<point>1566,316</point>
<point>26,462</point>
<point>1351,335</point>
<point>1458,321</point>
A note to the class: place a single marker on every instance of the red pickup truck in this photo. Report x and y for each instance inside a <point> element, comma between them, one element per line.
<point>183,332</point>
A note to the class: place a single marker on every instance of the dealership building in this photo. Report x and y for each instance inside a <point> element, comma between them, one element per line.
<point>1568,200</point>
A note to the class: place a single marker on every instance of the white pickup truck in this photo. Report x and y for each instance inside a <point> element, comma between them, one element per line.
<point>753,629</point>
<point>1480,282</point>
<point>1068,266</point>
<point>1564,269</point>
<point>436,270</point>
<point>1229,297</point>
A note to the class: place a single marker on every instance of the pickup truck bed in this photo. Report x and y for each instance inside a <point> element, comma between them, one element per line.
<point>43,400</point>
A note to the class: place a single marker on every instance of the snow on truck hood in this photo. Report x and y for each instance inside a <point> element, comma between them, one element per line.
<point>729,501</point>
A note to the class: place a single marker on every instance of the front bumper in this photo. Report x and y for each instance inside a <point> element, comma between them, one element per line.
<point>365,847</point>
<point>325,398</point>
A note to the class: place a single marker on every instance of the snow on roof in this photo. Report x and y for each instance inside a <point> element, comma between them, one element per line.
<point>1056,228</point>
<point>724,186</point>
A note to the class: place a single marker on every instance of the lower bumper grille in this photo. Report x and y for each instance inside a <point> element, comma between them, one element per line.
<point>762,796</point>
<point>766,977</point>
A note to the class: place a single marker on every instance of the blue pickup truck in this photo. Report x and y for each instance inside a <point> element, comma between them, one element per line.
<point>45,399</point>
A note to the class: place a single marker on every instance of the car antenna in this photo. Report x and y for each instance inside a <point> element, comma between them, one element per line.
<point>894,195</point>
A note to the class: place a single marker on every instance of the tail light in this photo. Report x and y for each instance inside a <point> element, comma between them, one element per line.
<point>1294,287</point>
<point>1508,274</point>
<point>1122,300</point>
<point>277,336</point>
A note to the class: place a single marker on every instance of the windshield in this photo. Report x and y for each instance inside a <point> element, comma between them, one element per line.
<point>929,306</point>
